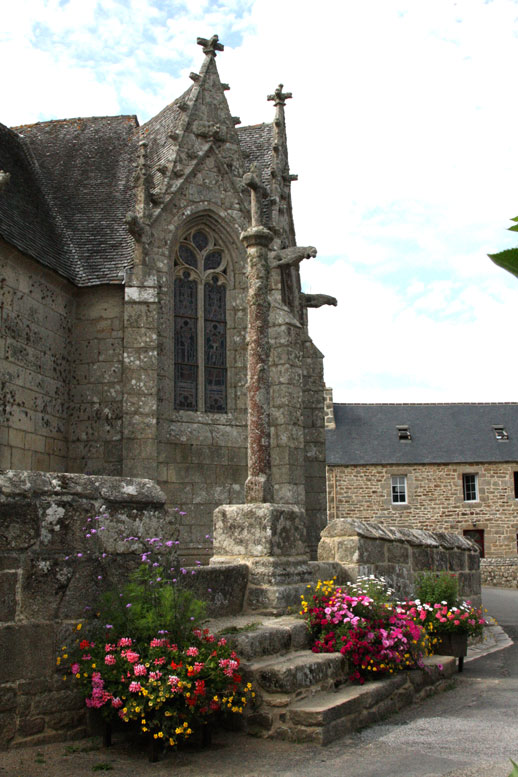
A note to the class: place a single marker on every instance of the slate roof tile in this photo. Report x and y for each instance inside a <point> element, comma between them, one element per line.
<point>440,433</point>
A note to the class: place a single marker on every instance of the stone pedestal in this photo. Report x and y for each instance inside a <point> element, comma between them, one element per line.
<point>271,540</point>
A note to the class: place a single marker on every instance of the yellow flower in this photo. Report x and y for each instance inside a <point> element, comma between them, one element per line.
<point>93,666</point>
<point>79,627</point>
<point>178,730</point>
<point>160,734</point>
<point>172,742</point>
<point>58,661</point>
<point>78,674</point>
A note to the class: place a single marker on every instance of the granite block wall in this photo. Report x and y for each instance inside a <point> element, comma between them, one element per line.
<point>36,309</point>
<point>44,593</point>
<point>399,554</point>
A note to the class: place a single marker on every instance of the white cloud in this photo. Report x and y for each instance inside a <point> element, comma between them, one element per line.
<point>402,128</point>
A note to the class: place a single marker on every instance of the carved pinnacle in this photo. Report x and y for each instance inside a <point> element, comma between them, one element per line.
<point>211,45</point>
<point>279,97</point>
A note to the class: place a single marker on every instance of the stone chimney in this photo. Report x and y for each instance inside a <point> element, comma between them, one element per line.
<point>329,414</point>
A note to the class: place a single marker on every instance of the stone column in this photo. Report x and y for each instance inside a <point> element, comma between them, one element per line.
<point>258,486</point>
<point>269,538</point>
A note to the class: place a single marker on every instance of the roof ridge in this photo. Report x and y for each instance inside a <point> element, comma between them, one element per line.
<point>17,127</point>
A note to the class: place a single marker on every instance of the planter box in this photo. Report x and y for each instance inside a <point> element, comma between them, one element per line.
<point>450,644</point>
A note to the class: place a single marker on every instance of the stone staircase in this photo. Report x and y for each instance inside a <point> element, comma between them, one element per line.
<point>305,697</point>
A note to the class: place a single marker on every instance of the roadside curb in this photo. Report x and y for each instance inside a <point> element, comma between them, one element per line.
<point>494,639</point>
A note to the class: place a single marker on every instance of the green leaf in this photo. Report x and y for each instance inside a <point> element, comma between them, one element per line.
<point>514,228</point>
<point>515,218</point>
<point>514,773</point>
<point>508,260</point>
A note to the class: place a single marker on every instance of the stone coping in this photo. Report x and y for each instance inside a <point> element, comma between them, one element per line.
<point>340,527</point>
<point>20,483</point>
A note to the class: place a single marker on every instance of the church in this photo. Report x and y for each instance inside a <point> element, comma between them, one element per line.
<point>123,304</point>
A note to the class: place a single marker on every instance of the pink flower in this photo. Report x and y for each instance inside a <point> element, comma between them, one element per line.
<point>116,703</point>
<point>108,648</point>
<point>135,687</point>
<point>130,656</point>
<point>124,642</point>
<point>110,660</point>
<point>140,669</point>
<point>192,651</point>
<point>75,668</point>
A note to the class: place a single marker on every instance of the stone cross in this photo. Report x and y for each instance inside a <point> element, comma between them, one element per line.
<point>211,45</point>
<point>258,487</point>
<point>279,97</point>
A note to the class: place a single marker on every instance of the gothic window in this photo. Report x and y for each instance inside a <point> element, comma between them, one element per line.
<point>200,348</point>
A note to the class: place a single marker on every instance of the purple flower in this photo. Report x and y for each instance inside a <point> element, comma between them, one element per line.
<point>108,626</point>
<point>99,577</point>
<point>128,605</point>
<point>79,555</point>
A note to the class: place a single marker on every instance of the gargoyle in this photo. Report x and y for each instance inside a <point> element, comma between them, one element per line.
<point>317,300</point>
<point>291,256</point>
<point>4,179</point>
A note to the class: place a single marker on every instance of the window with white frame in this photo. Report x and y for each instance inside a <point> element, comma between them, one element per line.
<point>470,487</point>
<point>398,489</point>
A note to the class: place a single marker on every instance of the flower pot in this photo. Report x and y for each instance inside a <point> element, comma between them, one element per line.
<point>452,644</point>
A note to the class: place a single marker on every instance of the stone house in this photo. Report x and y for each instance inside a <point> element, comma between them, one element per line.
<point>123,305</point>
<point>441,467</point>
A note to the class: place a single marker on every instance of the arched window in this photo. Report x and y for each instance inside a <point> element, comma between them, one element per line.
<point>200,349</point>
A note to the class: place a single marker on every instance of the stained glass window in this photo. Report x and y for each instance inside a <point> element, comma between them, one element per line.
<point>200,358</point>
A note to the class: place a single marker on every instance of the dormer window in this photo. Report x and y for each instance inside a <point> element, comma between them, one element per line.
<point>500,433</point>
<point>403,432</point>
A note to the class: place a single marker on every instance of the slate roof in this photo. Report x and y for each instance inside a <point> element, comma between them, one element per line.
<point>256,143</point>
<point>27,218</point>
<point>440,433</point>
<point>72,186</point>
<point>87,169</point>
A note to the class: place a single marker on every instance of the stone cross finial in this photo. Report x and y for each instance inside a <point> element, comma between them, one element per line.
<point>251,180</point>
<point>211,45</point>
<point>279,97</point>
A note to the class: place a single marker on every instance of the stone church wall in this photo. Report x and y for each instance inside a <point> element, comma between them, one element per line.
<point>36,310</point>
<point>95,425</point>
<point>435,502</point>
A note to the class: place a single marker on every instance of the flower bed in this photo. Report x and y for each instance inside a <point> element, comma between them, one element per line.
<point>379,635</point>
<point>140,656</point>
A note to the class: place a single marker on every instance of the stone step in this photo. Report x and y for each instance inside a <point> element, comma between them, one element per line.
<point>327,716</point>
<point>257,637</point>
<point>297,672</point>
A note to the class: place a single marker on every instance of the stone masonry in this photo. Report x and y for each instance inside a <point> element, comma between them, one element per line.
<point>94,217</point>
<point>435,502</point>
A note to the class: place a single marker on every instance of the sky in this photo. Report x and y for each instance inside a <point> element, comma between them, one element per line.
<point>402,129</point>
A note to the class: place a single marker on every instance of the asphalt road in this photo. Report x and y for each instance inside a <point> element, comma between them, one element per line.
<point>470,731</point>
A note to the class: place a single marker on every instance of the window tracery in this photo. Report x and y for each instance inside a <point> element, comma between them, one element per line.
<point>200,299</point>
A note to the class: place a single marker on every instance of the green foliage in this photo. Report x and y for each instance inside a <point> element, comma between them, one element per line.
<point>514,773</point>
<point>432,587</point>
<point>150,603</point>
<point>508,259</point>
